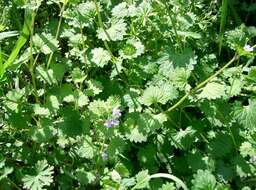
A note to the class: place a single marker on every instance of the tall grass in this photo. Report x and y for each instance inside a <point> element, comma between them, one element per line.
<point>224,13</point>
<point>24,35</point>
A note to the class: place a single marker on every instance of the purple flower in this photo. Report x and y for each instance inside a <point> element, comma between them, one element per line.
<point>253,159</point>
<point>248,48</point>
<point>116,112</point>
<point>115,122</point>
<point>108,124</point>
<point>111,122</point>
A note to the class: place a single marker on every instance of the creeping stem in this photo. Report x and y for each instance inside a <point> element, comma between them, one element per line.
<point>162,175</point>
<point>103,28</point>
<point>202,84</point>
<point>101,25</point>
<point>173,22</point>
<point>57,31</point>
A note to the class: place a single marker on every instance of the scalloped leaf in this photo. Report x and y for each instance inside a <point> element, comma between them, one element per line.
<point>212,90</point>
<point>245,115</point>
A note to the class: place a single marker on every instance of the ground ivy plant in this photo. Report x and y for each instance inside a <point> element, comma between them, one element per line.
<point>133,94</point>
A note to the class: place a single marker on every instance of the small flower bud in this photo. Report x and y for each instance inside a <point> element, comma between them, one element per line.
<point>116,112</point>
<point>104,156</point>
<point>248,48</point>
<point>111,122</point>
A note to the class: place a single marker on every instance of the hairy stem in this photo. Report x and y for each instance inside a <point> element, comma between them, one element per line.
<point>32,60</point>
<point>102,26</point>
<point>13,184</point>
<point>173,22</point>
<point>202,84</point>
<point>162,175</point>
<point>57,32</point>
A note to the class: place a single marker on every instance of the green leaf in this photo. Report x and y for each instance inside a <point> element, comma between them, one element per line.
<point>45,43</point>
<point>241,166</point>
<point>44,133</point>
<point>134,134</point>
<point>122,170</point>
<point>168,186</point>
<point>224,171</point>
<point>120,10</point>
<point>131,100</point>
<point>115,176</point>
<point>116,31</point>
<point>41,111</point>
<point>94,87</point>
<point>221,146</point>
<point>251,75</point>
<point>54,103</point>
<point>5,172</point>
<point>196,161</point>
<point>213,90</point>
<point>147,158</point>
<point>203,180</point>
<point>185,137</point>
<point>127,182</point>
<point>13,98</point>
<point>25,33</point>
<point>246,149</point>
<point>78,75</point>
<point>116,146</point>
<point>52,75</point>
<point>86,150</point>
<point>245,115</point>
<point>179,77</point>
<point>139,126</point>
<point>98,108</point>
<point>8,34</point>
<point>194,35</point>
<point>84,177</point>
<point>71,124</point>
<point>236,87</point>
<point>142,179</point>
<point>215,111</point>
<point>58,71</point>
<point>100,57</point>
<point>237,38</point>
<point>81,15</point>
<point>162,94</point>
<point>185,59</point>
<point>81,98</point>
<point>42,176</point>
<point>132,49</point>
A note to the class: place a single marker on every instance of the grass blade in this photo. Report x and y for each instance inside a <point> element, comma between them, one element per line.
<point>224,10</point>
<point>1,64</point>
<point>8,34</point>
<point>22,39</point>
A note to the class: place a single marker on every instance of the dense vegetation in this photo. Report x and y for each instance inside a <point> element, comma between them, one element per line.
<point>133,94</point>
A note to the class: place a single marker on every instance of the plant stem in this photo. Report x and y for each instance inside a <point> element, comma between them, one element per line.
<point>173,22</point>
<point>162,175</point>
<point>57,32</point>
<point>24,35</point>
<point>32,60</point>
<point>202,84</point>
<point>224,10</point>
<point>83,46</point>
<point>101,25</point>
<point>13,184</point>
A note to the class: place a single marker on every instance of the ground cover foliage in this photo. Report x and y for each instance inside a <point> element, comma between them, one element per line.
<point>135,94</point>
